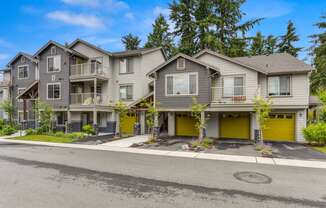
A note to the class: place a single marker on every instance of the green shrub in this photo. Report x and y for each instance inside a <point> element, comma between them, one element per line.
<point>88,129</point>
<point>322,116</point>
<point>30,131</point>
<point>7,130</point>
<point>206,143</point>
<point>315,133</point>
<point>2,123</point>
<point>76,135</point>
<point>59,134</point>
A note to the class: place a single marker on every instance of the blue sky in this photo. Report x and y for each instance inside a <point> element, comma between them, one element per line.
<point>27,25</point>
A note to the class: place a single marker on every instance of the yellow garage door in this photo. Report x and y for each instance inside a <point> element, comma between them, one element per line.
<point>235,125</point>
<point>280,127</point>
<point>185,125</point>
<point>127,124</point>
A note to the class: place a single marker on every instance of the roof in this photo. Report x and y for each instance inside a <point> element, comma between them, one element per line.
<point>276,63</point>
<point>136,52</point>
<point>30,57</point>
<point>141,99</point>
<point>27,89</point>
<point>60,46</point>
<point>78,40</point>
<point>235,61</point>
<point>183,56</point>
<point>314,101</point>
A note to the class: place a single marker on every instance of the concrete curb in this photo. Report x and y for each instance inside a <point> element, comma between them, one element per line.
<point>207,156</point>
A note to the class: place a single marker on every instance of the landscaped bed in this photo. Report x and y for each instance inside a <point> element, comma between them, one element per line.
<point>46,138</point>
<point>321,149</point>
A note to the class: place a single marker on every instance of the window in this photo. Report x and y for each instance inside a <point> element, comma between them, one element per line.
<point>23,59</point>
<point>124,65</point>
<point>279,86</point>
<point>181,64</point>
<point>126,92</point>
<point>54,91</point>
<point>54,63</point>
<point>21,116</point>
<point>181,84</point>
<point>19,92</point>
<point>23,72</point>
<point>61,118</point>
<point>233,86</point>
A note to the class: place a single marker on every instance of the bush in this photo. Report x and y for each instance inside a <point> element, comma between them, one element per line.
<point>60,134</point>
<point>206,143</point>
<point>315,133</point>
<point>76,135</point>
<point>7,130</point>
<point>322,116</point>
<point>88,129</point>
<point>30,131</point>
<point>2,123</point>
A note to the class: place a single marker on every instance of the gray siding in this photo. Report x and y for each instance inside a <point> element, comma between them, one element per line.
<point>61,77</point>
<point>21,83</point>
<point>204,86</point>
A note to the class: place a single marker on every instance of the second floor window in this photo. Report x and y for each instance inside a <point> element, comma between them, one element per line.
<point>181,84</point>
<point>124,65</point>
<point>126,92</point>
<point>54,91</point>
<point>23,72</point>
<point>233,86</point>
<point>54,63</point>
<point>279,86</point>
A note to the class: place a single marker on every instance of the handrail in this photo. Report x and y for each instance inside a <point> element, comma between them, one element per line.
<point>236,94</point>
<point>86,69</point>
<point>88,99</point>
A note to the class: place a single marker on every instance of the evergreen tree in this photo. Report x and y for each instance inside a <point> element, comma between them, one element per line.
<point>182,14</point>
<point>318,78</point>
<point>161,37</point>
<point>131,42</point>
<point>270,45</point>
<point>257,46</point>
<point>287,41</point>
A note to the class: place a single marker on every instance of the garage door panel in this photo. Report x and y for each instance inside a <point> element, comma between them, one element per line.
<point>234,125</point>
<point>186,125</point>
<point>127,124</point>
<point>280,127</point>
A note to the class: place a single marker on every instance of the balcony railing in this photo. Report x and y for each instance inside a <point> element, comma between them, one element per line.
<point>88,99</point>
<point>230,95</point>
<point>87,69</point>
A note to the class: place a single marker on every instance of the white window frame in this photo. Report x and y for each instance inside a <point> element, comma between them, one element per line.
<point>125,60</point>
<point>47,63</point>
<point>47,90</point>
<point>18,72</point>
<point>234,76</point>
<point>18,89</point>
<point>27,115</point>
<point>279,86</point>
<point>178,64</point>
<point>175,74</point>
<point>132,90</point>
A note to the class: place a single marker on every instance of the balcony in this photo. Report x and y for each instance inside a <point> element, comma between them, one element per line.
<point>88,70</point>
<point>88,99</point>
<point>230,95</point>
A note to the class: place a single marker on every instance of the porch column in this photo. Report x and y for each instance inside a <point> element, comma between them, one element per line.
<point>95,91</point>
<point>24,114</point>
<point>95,121</point>
<point>117,125</point>
<point>142,122</point>
<point>171,123</point>
<point>68,124</point>
<point>202,117</point>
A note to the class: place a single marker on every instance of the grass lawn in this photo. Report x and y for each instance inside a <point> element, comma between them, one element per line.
<point>45,138</point>
<point>321,149</point>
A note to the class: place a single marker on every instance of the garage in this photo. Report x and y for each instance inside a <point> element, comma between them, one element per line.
<point>185,125</point>
<point>235,125</point>
<point>280,127</point>
<point>127,124</point>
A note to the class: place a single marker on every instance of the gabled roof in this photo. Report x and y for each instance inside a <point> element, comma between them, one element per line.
<point>276,63</point>
<point>136,52</point>
<point>185,57</point>
<point>78,40</point>
<point>35,83</point>
<point>60,46</point>
<point>232,60</point>
<point>30,57</point>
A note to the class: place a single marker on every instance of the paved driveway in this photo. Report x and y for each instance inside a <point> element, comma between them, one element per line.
<point>127,142</point>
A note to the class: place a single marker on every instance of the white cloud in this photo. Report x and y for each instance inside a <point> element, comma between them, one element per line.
<point>5,44</point>
<point>83,20</point>
<point>130,15</point>
<point>101,4</point>
<point>275,8</point>
<point>91,3</point>
<point>3,56</point>
<point>160,10</point>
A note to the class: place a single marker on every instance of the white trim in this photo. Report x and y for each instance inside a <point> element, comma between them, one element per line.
<point>181,68</point>
<point>47,63</point>
<point>180,95</point>
<point>47,90</point>
<point>20,88</point>
<point>132,89</point>
<point>19,68</point>
<point>21,111</point>
<point>280,96</point>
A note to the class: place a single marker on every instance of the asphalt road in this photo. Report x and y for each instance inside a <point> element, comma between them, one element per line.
<point>39,176</point>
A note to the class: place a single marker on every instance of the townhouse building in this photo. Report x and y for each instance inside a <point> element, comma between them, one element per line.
<point>228,87</point>
<point>82,83</point>
<point>4,89</point>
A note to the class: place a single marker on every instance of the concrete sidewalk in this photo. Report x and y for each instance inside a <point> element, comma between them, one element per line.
<point>127,142</point>
<point>195,155</point>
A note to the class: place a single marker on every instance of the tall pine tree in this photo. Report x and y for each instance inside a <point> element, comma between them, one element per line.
<point>318,78</point>
<point>257,45</point>
<point>131,42</point>
<point>270,45</point>
<point>288,40</point>
<point>160,36</point>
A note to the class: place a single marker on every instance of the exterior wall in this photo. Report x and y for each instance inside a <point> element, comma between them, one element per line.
<point>183,102</point>
<point>55,77</point>
<point>21,83</point>
<point>171,123</point>
<point>228,68</point>
<point>253,125</point>
<point>299,90</point>
<point>300,123</point>
<point>212,128</point>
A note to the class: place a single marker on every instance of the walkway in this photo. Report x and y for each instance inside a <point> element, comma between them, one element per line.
<point>127,142</point>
